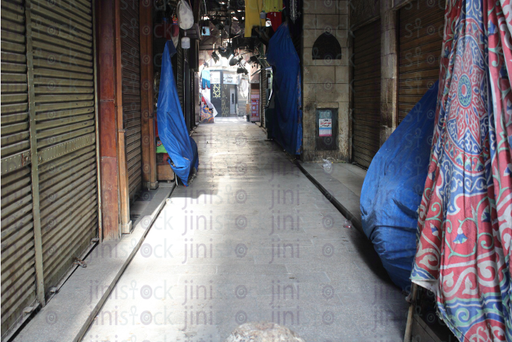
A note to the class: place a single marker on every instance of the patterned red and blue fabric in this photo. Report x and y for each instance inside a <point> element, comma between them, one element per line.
<point>465,217</point>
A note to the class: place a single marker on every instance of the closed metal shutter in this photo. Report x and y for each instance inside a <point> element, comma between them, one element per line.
<point>180,83</point>
<point>62,48</point>
<point>130,47</point>
<point>420,43</point>
<point>18,271</point>
<point>196,93</point>
<point>186,86</point>
<point>192,100</point>
<point>366,104</point>
<point>263,92</point>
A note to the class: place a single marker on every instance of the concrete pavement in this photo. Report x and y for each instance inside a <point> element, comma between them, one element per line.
<point>252,239</point>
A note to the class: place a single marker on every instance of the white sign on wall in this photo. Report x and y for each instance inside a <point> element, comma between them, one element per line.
<point>325,128</point>
<point>229,78</point>
<point>215,77</point>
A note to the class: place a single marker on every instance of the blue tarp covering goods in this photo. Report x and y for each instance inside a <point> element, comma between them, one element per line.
<point>173,132</point>
<point>286,126</point>
<point>393,187</point>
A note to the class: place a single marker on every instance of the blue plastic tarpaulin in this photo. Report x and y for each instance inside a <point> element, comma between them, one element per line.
<point>393,187</point>
<point>173,132</point>
<point>286,126</point>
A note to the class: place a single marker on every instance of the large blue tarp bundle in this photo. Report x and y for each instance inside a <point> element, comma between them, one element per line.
<point>172,130</point>
<point>393,187</point>
<point>286,126</point>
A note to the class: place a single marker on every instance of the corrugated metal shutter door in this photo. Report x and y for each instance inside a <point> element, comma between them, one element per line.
<point>192,100</point>
<point>263,92</point>
<point>366,124</point>
<point>180,83</point>
<point>420,43</point>
<point>18,271</point>
<point>196,93</point>
<point>186,87</point>
<point>130,46</point>
<point>62,41</point>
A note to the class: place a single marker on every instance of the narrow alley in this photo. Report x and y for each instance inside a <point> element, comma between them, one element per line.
<point>175,170</point>
<point>252,239</point>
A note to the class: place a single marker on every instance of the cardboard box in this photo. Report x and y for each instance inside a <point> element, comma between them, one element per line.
<point>164,172</point>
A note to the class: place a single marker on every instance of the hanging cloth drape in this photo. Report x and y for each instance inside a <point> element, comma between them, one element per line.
<point>276,19</point>
<point>465,224</point>
<point>252,15</point>
<point>272,6</point>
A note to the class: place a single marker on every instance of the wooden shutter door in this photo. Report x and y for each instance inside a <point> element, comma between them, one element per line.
<point>366,108</point>
<point>420,43</point>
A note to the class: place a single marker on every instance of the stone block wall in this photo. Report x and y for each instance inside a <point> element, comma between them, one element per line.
<point>326,82</point>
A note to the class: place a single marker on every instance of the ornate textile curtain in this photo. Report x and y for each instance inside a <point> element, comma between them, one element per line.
<point>465,218</point>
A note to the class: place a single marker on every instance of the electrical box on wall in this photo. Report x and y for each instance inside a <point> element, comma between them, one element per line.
<point>327,129</point>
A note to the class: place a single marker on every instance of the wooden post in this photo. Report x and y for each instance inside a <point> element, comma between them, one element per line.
<point>149,168</point>
<point>124,184</point>
<point>97,120</point>
<point>108,118</point>
<point>410,314</point>
<point>124,191</point>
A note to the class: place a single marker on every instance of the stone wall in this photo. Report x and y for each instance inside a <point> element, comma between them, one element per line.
<point>326,82</point>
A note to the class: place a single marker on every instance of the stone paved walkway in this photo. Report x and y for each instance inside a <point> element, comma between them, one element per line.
<point>252,239</point>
